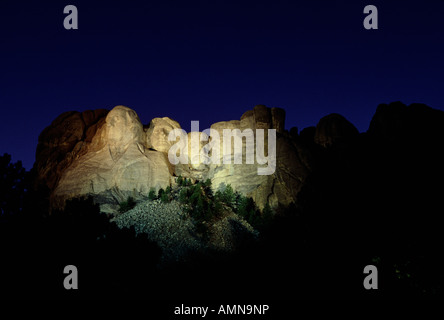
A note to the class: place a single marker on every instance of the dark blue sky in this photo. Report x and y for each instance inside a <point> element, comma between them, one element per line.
<point>212,60</point>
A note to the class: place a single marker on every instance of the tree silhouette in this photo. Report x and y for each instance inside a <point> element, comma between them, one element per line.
<point>13,185</point>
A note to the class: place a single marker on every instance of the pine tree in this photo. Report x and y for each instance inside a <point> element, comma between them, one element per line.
<point>160,193</point>
<point>229,196</point>
<point>207,183</point>
<point>183,196</point>
<point>218,208</point>
<point>13,186</point>
<point>242,208</point>
<point>199,209</point>
<point>127,205</point>
<point>152,194</point>
<point>164,197</point>
<point>267,214</point>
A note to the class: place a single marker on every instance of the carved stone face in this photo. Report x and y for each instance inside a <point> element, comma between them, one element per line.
<point>123,126</point>
<point>158,131</point>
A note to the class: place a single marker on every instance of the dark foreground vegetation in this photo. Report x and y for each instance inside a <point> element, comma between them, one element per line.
<point>374,199</point>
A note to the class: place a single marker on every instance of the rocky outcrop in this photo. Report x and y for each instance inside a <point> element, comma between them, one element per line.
<point>278,188</point>
<point>167,225</point>
<point>99,153</point>
<point>396,122</point>
<point>111,155</point>
<point>332,129</point>
<point>63,141</point>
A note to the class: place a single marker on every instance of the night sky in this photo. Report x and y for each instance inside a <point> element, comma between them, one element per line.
<point>212,60</point>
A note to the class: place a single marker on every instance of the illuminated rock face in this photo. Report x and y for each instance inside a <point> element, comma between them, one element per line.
<point>66,139</point>
<point>111,155</point>
<point>292,161</point>
<point>157,133</point>
<point>115,161</point>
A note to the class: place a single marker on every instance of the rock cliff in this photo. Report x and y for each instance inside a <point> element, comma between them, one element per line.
<point>111,156</point>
